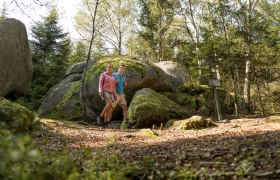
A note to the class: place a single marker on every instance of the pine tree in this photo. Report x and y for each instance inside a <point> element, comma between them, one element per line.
<point>51,48</point>
<point>155,37</point>
<point>3,12</point>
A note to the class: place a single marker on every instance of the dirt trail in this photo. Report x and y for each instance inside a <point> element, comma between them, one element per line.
<point>250,145</point>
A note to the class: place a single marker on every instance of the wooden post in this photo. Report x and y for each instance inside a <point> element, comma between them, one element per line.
<point>217,103</point>
<point>214,83</point>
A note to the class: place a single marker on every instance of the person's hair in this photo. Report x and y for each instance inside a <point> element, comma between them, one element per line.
<point>121,65</point>
<point>110,65</point>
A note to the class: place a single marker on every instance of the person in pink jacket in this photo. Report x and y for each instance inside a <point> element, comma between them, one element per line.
<point>107,91</point>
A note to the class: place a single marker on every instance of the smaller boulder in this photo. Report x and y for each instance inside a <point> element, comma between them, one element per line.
<point>150,108</point>
<point>195,122</point>
<point>15,117</point>
<point>149,133</point>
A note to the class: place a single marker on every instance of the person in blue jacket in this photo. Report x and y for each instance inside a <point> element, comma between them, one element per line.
<point>120,99</point>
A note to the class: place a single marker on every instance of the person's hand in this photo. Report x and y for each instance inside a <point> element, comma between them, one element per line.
<point>117,81</point>
<point>125,84</point>
<point>100,93</point>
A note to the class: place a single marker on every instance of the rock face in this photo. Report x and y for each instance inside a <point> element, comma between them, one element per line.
<point>138,75</point>
<point>62,100</point>
<point>179,73</point>
<point>149,107</point>
<point>15,59</point>
<point>15,117</point>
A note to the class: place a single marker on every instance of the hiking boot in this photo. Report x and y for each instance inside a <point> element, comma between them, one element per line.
<point>129,124</point>
<point>107,125</point>
<point>100,120</point>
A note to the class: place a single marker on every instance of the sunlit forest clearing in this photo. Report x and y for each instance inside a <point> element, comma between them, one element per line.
<point>196,84</point>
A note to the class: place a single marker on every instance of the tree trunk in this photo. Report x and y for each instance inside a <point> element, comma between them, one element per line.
<point>259,93</point>
<point>82,87</point>
<point>246,91</point>
<point>234,84</point>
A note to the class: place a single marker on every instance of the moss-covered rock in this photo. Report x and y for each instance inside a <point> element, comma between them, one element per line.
<point>149,107</point>
<point>195,122</point>
<point>138,74</point>
<point>15,117</point>
<point>69,107</point>
<point>62,100</point>
<point>149,133</point>
<point>199,99</point>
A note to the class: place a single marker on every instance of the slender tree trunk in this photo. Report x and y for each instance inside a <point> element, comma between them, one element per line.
<point>82,88</point>
<point>246,92</point>
<point>259,93</point>
<point>120,43</point>
<point>194,36</point>
<point>234,91</point>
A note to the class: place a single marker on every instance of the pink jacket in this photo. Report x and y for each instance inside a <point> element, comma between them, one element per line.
<point>107,83</point>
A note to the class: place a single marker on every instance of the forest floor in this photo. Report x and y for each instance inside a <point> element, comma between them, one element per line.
<point>247,147</point>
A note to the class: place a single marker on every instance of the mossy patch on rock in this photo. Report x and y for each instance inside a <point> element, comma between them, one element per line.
<point>195,122</point>
<point>15,117</point>
<point>70,107</point>
<point>149,107</point>
<point>201,99</point>
<point>100,65</point>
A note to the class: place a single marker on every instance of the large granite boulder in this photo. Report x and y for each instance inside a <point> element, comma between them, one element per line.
<point>138,74</point>
<point>149,107</point>
<point>63,100</point>
<point>15,117</point>
<point>15,59</point>
<point>176,70</point>
<point>76,68</point>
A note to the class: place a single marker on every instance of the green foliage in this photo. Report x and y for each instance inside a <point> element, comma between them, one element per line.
<point>50,51</point>
<point>200,99</point>
<point>192,89</point>
<point>20,160</point>
<point>79,53</point>
<point>245,166</point>
<point>155,37</point>
<point>18,156</point>
<point>3,12</point>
